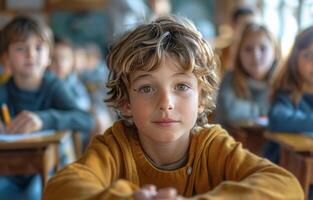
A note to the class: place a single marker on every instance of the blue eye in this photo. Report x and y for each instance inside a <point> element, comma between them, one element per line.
<point>146,89</point>
<point>182,87</point>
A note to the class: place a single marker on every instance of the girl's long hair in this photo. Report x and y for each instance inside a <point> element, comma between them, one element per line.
<point>287,77</point>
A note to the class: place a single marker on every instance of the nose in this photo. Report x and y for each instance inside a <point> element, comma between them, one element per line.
<point>257,54</point>
<point>31,52</point>
<point>166,101</point>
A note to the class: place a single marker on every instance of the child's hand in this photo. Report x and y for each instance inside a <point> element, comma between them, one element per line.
<point>25,122</point>
<point>146,192</point>
<point>149,192</point>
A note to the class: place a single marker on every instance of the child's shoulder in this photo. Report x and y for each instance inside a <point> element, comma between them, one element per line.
<point>212,140</point>
<point>227,82</point>
<point>117,134</point>
<point>50,77</point>
<point>50,82</point>
<point>112,144</point>
<point>209,132</point>
<point>282,96</point>
<point>227,77</point>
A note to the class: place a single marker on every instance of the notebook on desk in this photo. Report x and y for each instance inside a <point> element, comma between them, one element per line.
<point>6,137</point>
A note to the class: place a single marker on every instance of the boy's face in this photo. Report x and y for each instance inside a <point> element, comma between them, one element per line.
<point>28,58</point>
<point>164,102</point>
<point>62,60</point>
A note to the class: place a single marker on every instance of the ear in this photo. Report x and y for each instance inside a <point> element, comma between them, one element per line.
<point>126,109</point>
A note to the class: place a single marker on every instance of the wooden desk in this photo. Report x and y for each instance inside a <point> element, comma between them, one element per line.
<point>296,155</point>
<point>251,136</point>
<point>29,156</point>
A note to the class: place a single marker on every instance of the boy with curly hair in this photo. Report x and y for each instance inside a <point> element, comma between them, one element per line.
<point>162,82</point>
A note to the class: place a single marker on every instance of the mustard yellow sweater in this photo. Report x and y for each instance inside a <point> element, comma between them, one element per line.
<point>114,166</point>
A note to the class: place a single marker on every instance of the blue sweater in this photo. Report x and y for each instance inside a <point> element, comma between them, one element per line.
<point>284,116</point>
<point>52,102</point>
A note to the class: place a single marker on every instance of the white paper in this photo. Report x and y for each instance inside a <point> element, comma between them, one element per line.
<point>9,137</point>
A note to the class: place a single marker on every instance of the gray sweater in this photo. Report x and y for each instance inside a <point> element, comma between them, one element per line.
<point>232,109</point>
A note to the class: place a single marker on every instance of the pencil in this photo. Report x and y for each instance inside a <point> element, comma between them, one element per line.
<point>5,114</point>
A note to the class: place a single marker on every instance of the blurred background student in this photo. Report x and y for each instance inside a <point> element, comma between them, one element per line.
<point>229,38</point>
<point>292,93</point>
<point>37,100</point>
<point>94,75</point>
<point>63,66</point>
<point>243,94</point>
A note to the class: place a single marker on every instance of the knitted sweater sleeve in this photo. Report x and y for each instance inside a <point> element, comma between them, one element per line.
<point>236,173</point>
<point>98,174</point>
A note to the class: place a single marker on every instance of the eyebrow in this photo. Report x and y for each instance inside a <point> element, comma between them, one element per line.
<point>140,77</point>
<point>149,75</point>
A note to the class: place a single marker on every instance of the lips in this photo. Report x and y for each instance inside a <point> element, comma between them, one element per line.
<point>166,122</point>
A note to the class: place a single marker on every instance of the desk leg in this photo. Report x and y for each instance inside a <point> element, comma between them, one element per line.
<point>50,161</point>
<point>299,165</point>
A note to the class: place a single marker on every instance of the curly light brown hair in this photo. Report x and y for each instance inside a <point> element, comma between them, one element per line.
<point>144,48</point>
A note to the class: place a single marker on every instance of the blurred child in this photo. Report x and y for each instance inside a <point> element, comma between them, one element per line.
<point>63,66</point>
<point>37,100</point>
<point>243,94</point>
<point>80,59</point>
<point>292,93</point>
<point>94,77</point>
<point>240,18</point>
<point>95,72</point>
<point>163,78</point>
